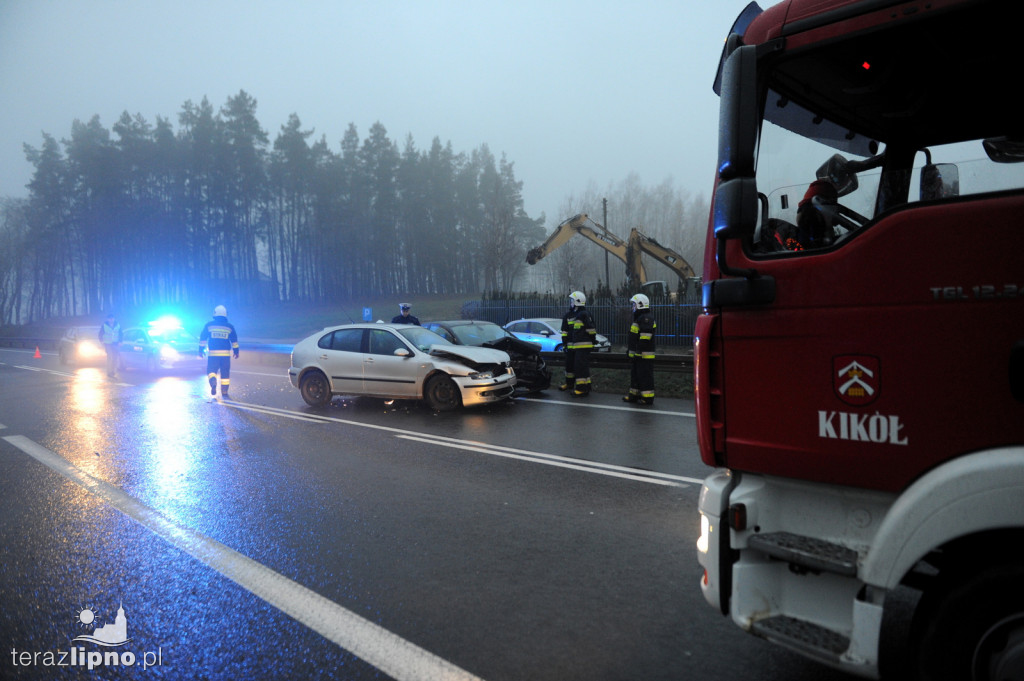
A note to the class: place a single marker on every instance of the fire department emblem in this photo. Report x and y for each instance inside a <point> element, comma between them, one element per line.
<point>856,378</point>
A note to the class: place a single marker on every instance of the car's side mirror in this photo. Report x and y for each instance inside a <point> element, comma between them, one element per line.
<point>402,352</point>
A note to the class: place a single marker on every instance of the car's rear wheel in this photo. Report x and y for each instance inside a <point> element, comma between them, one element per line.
<point>441,393</point>
<point>315,389</point>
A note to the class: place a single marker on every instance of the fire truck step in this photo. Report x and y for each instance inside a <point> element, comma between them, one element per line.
<point>809,638</point>
<point>814,554</point>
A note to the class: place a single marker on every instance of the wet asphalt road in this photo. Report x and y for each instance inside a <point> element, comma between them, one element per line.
<point>542,539</point>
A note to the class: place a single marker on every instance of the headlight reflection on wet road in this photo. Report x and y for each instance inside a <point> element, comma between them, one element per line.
<point>169,431</point>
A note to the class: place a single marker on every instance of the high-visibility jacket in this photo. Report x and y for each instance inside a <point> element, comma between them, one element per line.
<point>580,331</point>
<point>110,334</point>
<point>221,337</point>
<point>640,342</point>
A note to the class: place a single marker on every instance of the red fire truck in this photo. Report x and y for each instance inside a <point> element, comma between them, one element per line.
<point>860,359</point>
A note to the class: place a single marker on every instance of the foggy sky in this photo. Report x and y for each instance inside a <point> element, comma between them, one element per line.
<point>575,93</point>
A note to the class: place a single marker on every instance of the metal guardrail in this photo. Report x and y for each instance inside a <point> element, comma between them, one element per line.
<point>30,343</point>
<point>677,363</point>
<point>616,360</point>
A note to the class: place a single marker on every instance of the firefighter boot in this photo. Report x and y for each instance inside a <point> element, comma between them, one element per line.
<point>213,385</point>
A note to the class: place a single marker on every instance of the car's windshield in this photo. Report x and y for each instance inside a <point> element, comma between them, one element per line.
<point>478,334</point>
<point>420,337</point>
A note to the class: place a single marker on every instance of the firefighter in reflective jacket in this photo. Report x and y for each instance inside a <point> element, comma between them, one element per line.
<point>220,337</point>
<point>640,348</point>
<point>578,333</point>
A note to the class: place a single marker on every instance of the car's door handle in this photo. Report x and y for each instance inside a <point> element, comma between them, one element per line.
<point>323,356</point>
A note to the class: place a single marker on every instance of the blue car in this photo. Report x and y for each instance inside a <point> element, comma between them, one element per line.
<point>547,333</point>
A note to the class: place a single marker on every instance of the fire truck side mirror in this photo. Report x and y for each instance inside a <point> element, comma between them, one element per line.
<point>738,114</point>
<point>736,208</point>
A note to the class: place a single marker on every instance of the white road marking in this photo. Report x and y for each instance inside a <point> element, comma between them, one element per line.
<point>482,447</point>
<point>389,653</point>
<point>65,374</point>
<point>562,461</point>
<point>581,402</point>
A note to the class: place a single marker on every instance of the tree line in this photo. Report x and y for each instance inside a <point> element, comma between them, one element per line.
<point>144,213</point>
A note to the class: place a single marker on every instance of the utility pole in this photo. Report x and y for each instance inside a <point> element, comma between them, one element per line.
<point>604,221</point>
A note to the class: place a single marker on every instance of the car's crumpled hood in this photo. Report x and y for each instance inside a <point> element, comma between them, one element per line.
<point>514,345</point>
<point>467,354</point>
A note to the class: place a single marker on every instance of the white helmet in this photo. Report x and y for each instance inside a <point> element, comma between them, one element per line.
<point>577,298</point>
<point>220,311</point>
<point>640,302</point>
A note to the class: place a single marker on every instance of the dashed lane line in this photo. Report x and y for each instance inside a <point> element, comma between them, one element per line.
<point>377,646</point>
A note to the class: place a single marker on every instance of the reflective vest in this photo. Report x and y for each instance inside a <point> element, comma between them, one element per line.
<point>580,331</point>
<point>221,336</point>
<point>110,334</point>
<point>640,343</point>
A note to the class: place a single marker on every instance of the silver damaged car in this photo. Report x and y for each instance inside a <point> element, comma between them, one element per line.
<point>398,361</point>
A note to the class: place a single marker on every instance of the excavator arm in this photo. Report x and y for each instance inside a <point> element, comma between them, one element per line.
<point>639,242</point>
<point>581,224</point>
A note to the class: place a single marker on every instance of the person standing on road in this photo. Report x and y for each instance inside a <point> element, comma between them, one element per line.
<point>110,337</point>
<point>404,317</point>
<point>640,348</point>
<point>580,332</point>
<point>222,340</point>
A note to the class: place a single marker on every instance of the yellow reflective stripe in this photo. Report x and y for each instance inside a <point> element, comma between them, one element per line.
<point>220,353</point>
<point>646,336</point>
<point>647,355</point>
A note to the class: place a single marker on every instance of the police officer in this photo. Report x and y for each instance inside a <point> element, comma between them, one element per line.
<point>640,348</point>
<point>579,333</point>
<point>404,317</point>
<point>110,337</point>
<point>222,339</point>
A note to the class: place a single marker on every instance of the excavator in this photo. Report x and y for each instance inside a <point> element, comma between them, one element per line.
<point>629,252</point>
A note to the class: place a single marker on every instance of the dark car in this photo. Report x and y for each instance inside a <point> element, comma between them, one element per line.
<point>81,345</point>
<point>154,348</point>
<point>532,372</point>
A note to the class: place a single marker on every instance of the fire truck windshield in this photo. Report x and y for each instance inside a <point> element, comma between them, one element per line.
<point>816,193</point>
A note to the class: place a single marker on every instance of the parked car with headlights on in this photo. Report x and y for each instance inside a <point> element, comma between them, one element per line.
<point>532,373</point>
<point>398,361</point>
<point>81,345</point>
<point>547,333</point>
<point>160,347</point>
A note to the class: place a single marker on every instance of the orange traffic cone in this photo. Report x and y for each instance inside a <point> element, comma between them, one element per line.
<point>37,355</point>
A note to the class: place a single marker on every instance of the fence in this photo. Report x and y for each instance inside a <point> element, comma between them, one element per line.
<point>612,316</point>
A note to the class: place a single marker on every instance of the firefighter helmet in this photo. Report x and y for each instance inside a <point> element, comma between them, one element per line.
<point>640,302</point>
<point>577,298</point>
<point>220,311</point>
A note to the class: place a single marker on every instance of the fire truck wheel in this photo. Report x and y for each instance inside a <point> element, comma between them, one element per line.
<point>974,630</point>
